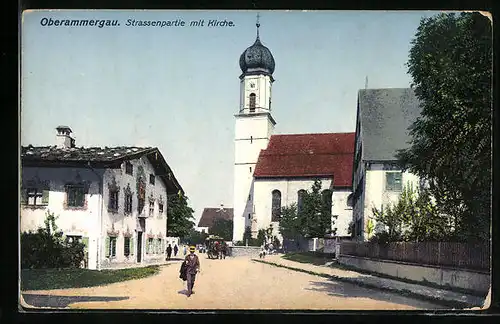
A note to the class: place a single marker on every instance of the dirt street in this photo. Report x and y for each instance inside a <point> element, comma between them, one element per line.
<point>233,283</point>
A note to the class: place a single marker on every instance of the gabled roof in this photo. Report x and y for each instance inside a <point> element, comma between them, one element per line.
<point>209,215</point>
<point>308,155</point>
<point>385,115</point>
<point>97,157</point>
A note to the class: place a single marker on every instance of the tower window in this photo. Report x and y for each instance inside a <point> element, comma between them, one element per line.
<point>251,139</point>
<point>252,102</point>
<point>250,169</point>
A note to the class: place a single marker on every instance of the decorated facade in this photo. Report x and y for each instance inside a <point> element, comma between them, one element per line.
<point>114,200</point>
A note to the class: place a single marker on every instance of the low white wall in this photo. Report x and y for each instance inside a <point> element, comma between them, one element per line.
<point>236,251</point>
<point>458,278</point>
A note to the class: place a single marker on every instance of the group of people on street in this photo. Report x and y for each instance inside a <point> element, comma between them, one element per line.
<point>169,251</point>
<point>266,249</point>
<point>221,249</point>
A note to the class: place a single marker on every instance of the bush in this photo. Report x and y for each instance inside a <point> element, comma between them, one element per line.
<point>46,249</point>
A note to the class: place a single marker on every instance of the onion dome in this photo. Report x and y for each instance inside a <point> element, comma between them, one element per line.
<point>257,58</point>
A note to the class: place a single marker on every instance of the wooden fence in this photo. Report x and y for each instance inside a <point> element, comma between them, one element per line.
<point>450,254</point>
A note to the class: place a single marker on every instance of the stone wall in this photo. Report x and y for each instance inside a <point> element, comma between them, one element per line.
<point>476,281</point>
<point>237,251</point>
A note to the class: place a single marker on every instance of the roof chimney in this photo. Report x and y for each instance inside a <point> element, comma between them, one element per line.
<point>63,137</point>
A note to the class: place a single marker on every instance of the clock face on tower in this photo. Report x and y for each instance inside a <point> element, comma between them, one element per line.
<point>251,84</point>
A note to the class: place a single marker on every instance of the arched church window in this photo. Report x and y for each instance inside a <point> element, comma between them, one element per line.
<point>300,199</point>
<point>326,197</point>
<point>276,206</point>
<point>252,102</point>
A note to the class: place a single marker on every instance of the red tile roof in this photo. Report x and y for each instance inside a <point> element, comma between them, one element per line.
<point>308,155</point>
<point>211,214</point>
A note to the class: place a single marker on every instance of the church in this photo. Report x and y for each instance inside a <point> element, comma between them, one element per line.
<point>272,171</point>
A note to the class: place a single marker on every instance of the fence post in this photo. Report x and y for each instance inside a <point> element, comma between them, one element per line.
<point>439,253</point>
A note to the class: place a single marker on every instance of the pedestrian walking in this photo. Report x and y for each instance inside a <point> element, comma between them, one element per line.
<point>192,267</point>
<point>169,252</point>
<point>176,249</point>
<point>224,250</point>
<point>185,250</point>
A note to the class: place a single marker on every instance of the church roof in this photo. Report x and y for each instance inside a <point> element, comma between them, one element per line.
<point>308,155</point>
<point>385,115</point>
<point>209,215</point>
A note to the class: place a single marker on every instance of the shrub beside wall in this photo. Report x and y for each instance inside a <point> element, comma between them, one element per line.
<point>46,248</point>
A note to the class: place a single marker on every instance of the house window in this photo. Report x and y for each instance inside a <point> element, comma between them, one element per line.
<point>113,200</point>
<point>75,195</point>
<point>37,197</point>
<point>393,181</point>
<point>160,208</point>
<point>128,203</point>
<point>276,205</point>
<point>140,205</point>
<point>151,208</point>
<point>251,139</point>
<point>129,168</point>
<point>250,169</point>
<point>126,246</point>
<point>149,249</point>
<point>152,179</point>
<point>252,102</point>
<point>112,246</point>
<point>300,200</point>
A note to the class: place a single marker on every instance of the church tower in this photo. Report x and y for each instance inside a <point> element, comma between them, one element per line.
<point>253,129</point>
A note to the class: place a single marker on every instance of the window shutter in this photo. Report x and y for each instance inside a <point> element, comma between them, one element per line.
<point>24,196</point>
<point>85,241</point>
<point>45,196</point>
<point>148,245</point>
<point>132,246</point>
<point>162,246</point>
<point>106,247</point>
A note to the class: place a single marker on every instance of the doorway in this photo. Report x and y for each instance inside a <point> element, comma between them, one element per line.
<point>139,247</point>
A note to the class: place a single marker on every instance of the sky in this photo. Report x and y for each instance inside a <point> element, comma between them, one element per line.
<point>177,88</point>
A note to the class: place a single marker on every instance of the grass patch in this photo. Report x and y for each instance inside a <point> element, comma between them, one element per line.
<point>315,258</point>
<point>46,279</point>
<point>405,292</point>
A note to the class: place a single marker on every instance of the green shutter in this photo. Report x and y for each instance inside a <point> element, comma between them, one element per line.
<point>162,246</point>
<point>147,246</point>
<point>24,196</point>
<point>106,247</point>
<point>132,246</point>
<point>45,196</point>
<point>85,241</point>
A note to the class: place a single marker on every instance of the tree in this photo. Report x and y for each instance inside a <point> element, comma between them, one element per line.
<point>180,216</point>
<point>315,215</point>
<point>414,218</point>
<point>261,237</point>
<point>194,237</point>
<point>222,228</point>
<point>289,225</point>
<point>247,235</point>
<point>451,65</point>
<point>313,220</point>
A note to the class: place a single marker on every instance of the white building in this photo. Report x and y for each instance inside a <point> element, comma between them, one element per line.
<point>383,118</point>
<point>112,199</point>
<point>270,170</point>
